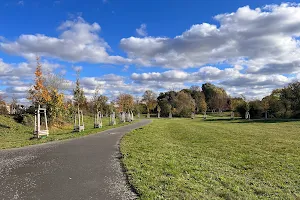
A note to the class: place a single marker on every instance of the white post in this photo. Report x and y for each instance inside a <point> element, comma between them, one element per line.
<point>46,123</point>
<point>38,119</point>
<point>35,124</point>
<point>82,118</point>
<point>78,116</point>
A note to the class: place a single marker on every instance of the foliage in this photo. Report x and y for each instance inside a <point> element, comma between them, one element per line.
<point>78,94</point>
<point>215,97</point>
<point>219,159</point>
<point>184,104</point>
<point>202,103</point>
<point>125,102</point>
<point>165,107</point>
<point>149,97</point>
<point>39,94</point>
<point>3,109</point>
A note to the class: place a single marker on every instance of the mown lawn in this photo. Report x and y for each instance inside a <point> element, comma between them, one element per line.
<point>214,159</point>
<point>13,134</point>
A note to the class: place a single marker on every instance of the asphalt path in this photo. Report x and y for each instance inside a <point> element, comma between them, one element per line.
<point>83,168</point>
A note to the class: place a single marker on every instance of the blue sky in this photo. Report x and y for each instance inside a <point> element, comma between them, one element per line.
<point>130,46</point>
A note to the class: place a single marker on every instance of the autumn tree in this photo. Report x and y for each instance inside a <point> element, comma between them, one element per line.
<point>202,105</point>
<point>99,102</point>
<point>185,104</point>
<point>149,98</point>
<point>56,107</point>
<point>38,94</point>
<point>125,102</point>
<point>233,103</point>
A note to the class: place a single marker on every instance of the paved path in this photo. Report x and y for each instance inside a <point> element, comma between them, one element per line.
<point>82,168</point>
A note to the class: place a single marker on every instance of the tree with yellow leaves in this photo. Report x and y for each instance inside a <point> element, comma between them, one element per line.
<point>125,102</point>
<point>38,94</point>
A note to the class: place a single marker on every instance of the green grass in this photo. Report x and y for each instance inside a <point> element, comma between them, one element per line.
<point>214,159</point>
<point>13,134</point>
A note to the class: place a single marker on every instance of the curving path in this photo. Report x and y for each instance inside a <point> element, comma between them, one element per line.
<point>81,168</point>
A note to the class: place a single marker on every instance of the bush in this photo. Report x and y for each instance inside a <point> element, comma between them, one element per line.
<point>26,119</point>
<point>3,110</point>
<point>256,111</point>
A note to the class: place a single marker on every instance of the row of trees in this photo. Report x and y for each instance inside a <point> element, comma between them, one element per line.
<point>281,103</point>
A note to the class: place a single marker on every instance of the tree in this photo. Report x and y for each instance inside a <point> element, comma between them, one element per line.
<point>265,102</point>
<point>158,109</point>
<point>208,90</point>
<point>233,103</point>
<point>290,98</point>
<point>14,107</point>
<point>39,94</point>
<point>196,95</point>
<point>3,109</point>
<point>56,109</point>
<point>78,94</point>
<point>149,98</point>
<point>215,97</point>
<point>185,104</point>
<point>203,105</point>
<point>218,100</point>
<point>125,102</point>
<point>100,103</point>
<point>245,107</point>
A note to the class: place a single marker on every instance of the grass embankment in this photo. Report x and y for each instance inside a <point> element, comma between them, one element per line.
<point>13,134</point>
<point>214,159</point>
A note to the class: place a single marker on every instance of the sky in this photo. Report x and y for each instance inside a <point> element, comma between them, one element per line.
<point>129,46</point>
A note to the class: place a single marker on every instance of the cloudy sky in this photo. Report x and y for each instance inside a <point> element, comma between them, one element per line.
<point>127,46</point>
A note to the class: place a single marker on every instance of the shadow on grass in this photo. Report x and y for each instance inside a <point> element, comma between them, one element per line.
<point>219,119</point>
<point>4,126</point>
<point>239,120</point>
<point>266,120</point>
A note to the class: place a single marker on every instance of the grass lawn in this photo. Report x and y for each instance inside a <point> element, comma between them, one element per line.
<point>214,159</point>
<point>14,134</point>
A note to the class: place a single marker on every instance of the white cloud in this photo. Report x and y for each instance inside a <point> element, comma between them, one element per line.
<point>265,39</point>
<point>231,79</point>
<point>78,42</point>
<point>142,31</point>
